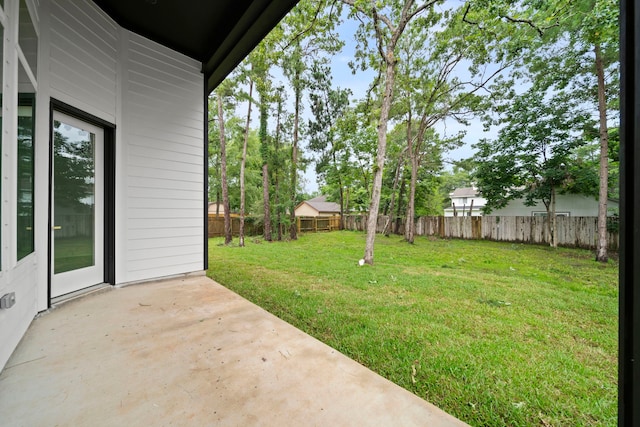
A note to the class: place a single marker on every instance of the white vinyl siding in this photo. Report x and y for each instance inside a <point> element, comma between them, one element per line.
<point>574,204</point>
<point>16,276</point>
<point>154,97</point>
<point>163,120</point>
<point>83,59</point>
<point>15,321</point>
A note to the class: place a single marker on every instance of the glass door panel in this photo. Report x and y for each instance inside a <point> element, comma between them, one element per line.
<point>77,193</point>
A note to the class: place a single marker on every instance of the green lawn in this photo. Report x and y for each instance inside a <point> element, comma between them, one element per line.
<point>72,253</point>
<point>493,333</point>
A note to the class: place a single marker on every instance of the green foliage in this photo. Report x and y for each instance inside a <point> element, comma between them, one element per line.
<point>533,149</point>
<point>559,68</point>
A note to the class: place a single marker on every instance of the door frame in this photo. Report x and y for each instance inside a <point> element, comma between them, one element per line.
<point>109,190</point>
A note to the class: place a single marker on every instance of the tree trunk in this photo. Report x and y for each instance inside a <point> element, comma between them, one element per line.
<point>277,172</point>
<point>276,191</point>
<point>387,226</point>
<point>347,200</point>
<point>264,149</point>
<point>403,186</point>
<point>243,163</point>
<point>266,204</point>
<point>278,212</point>
<point>374,207</point>
<point>223,173</point>
<point>293,227</point>
<point>601,249</point>
<point>341,192</point>
<point>409,230</point>
<point>554,219</point>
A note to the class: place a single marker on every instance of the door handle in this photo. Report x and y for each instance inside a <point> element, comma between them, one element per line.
<point>57,227</point>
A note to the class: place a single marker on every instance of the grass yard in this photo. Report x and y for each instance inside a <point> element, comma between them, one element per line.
<point>493,333</point>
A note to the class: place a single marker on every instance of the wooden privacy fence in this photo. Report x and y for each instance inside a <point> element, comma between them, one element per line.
<point>252,226</point>
<point>580,232</point>
<point>216,226</point>
<point>318,223</point>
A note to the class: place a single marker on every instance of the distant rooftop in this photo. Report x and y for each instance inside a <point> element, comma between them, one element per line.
<point>465,192</point>
<point>321,205</point>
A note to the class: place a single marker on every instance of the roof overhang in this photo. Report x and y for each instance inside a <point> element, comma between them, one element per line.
<point>219,34</point>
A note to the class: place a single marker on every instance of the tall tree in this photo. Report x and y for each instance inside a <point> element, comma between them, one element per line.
<point>530,157</point>
<point>243,161</point>
<point>296,78</point>
<point>441,74</point>
<point>328,105</point>
<point>386,21</point>
<point>262,59</point>
<point>264,152</point>
<point>596,30</point>
<point>278,161</point>
<point>310,34</point>
<point>578,51</point>
<point>223,165</point>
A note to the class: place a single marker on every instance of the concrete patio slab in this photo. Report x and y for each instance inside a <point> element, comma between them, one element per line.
<point>190,352</point>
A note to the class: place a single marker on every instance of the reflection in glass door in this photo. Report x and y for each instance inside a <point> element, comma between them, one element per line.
<point>77,205</point>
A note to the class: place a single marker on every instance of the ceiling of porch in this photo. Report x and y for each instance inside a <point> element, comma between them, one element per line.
<point>217,33</point>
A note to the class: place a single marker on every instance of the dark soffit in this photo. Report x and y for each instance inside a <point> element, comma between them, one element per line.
<point>217,33</point>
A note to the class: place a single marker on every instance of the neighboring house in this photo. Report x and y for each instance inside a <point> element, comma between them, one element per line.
<point>465,202</point>
<point>318,206</point>
<point>216,208</point>
<point>566,205</point>
<point>121,88</point>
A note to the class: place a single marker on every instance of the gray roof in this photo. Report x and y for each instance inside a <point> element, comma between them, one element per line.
<point>465,192</point>
<point>321,205</point>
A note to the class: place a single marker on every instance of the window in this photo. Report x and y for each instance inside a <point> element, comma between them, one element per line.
<point>543,213</point>
<point>27,62</point>
<point>26,107</point>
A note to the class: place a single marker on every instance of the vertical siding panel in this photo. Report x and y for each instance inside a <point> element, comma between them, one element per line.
<point>163,110</point>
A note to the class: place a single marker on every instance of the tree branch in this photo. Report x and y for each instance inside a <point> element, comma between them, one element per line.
<point>525,21</point>
<point>307,29</point>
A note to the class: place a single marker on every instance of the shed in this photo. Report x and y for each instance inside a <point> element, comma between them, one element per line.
<point>318,206</point>
<point>217,209</point>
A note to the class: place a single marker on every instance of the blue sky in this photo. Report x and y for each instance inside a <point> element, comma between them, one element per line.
<point>359,84</point>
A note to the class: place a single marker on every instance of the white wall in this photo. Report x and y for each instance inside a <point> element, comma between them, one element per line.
<point>162,200</point>
<point>575,204</point>
<point>19,277</point>
<point>83,57</point>
<point>460,210</point>
<point>464,205</point>
<point>154,97</point>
